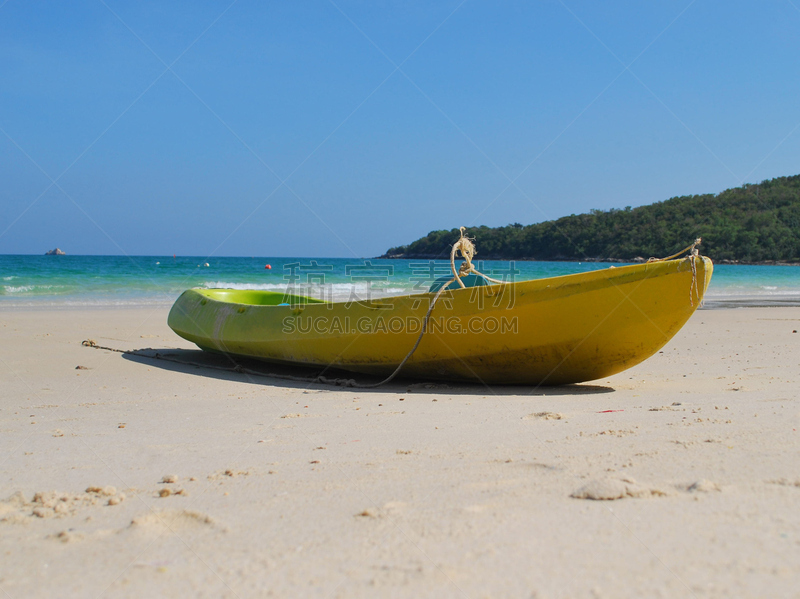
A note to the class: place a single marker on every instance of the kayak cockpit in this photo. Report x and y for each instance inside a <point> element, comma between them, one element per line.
<point>256,297</point>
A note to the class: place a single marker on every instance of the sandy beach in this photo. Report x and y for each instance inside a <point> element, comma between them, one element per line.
<point>127,477</point>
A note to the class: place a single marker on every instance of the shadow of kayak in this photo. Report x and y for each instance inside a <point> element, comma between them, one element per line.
<point>226,367</point>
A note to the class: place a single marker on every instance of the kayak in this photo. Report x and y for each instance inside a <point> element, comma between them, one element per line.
<point>552,331</point>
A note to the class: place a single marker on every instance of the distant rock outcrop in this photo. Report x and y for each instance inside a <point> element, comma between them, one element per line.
<point>55,252</point>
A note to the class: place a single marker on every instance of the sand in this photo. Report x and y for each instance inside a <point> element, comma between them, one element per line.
<point>124,477</point>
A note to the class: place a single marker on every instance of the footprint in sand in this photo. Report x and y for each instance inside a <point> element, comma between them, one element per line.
<point>615,488</point>
<point>173,520</point>
<point>544,416</point>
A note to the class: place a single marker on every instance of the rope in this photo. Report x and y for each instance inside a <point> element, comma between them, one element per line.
<point>693,253</point>
<point>467,249</point>
<point>689,248</point>
<point>236,368</point>
<point>416,345</point>
<point>241,369</point>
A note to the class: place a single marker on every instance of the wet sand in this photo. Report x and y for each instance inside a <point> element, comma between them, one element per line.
<point>131,477</point>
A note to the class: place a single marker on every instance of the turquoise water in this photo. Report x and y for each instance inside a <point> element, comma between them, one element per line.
<point>107,281</point>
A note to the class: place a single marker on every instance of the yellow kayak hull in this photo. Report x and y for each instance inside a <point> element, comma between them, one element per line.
<point>559,330</point>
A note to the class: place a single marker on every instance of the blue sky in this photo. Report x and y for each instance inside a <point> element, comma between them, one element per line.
<point>343,128</point>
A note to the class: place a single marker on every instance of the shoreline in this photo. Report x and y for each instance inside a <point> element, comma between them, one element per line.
<point>710,302</point>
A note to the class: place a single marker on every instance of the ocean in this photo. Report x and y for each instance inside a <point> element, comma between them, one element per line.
<point>118,281</point>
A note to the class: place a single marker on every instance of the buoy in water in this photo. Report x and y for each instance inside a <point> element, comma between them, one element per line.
<point>268,267</point>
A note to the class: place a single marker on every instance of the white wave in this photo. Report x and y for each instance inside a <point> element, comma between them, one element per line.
<point>27,288</point>
<point>51,302</point>
<point>245,286</point>
<point>761,292</point>
<point>745,288</point>
<point>11,278</point>
<point>331,291</point>
<point>285,286</point>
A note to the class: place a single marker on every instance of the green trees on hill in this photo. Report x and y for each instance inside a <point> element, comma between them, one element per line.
<point>752,223</point>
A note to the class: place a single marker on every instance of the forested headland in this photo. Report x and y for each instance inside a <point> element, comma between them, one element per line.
<point>755,223</point>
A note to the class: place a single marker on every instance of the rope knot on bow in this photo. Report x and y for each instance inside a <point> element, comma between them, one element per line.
<point>467,249</point>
